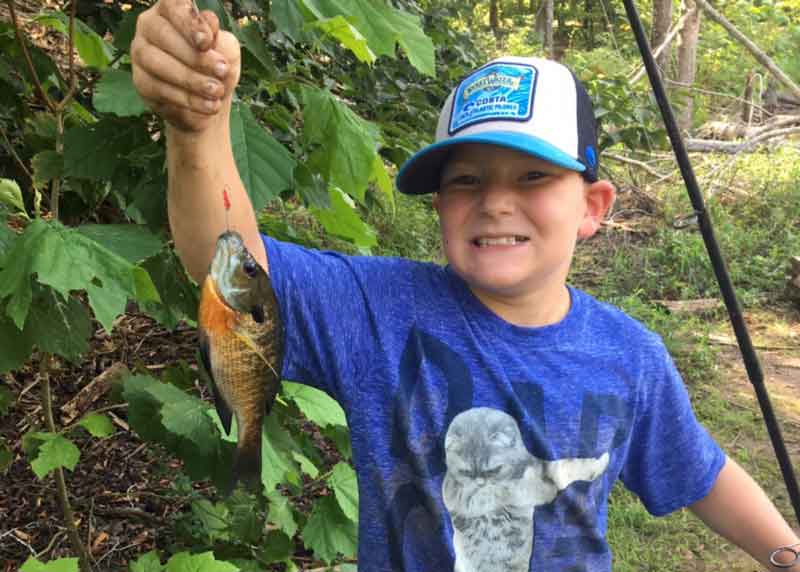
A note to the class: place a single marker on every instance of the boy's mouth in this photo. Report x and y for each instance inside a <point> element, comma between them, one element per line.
<point>510,240</point>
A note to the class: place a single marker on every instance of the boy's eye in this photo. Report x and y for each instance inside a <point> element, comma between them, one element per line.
<point>461,181</point>
<point>533,176</point>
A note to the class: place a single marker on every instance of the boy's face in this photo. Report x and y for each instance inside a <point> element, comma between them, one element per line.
<point>510,222</point>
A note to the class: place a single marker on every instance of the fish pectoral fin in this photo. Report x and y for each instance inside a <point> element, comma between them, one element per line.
<point>248,341</point>
<point>223,411</point>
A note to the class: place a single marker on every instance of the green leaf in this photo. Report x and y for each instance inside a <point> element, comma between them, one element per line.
<point>96,151</point>
<point>97,424</point>
<point>316,405</point>
<point>66,260</point>
<point>277,448</point>
<point>93,50</point>
<point>289,20</point>
<point>251,40</point>
<point>329,532</point>
<point>277,546</point>
<point>60,565</point>
<point>349,36</point>
<point>148,562</point>
<point>179,297</point>
<point>115,93</point>
<point>11,195</point>
<point>47,166</point>
<point>205,562</point>
<point>57,326</point>
<point>212,518</point>
<point>280,513</point>
<point>264,165</point>
<point>383,26</point>
<point>343,482</point>
<point>343,221</point>
<point>306,465</point>
<point>15,349</point>
<point>132,242</point>
<point>346,144</point>
<point>380,176</point>
<point>57,451</point>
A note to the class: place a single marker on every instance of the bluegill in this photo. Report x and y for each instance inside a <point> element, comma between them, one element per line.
<point>241,343</point>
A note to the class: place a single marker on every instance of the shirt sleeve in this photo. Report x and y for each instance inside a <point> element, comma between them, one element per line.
<point>672,461</point>
<point>335,310</point>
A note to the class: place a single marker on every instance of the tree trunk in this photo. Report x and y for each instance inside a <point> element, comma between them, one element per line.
<point>587,23</point>
<point>549,47</point>
<point>747,99</point>
<point>687,64</point>
<point>662,18</point>
<point>494,20</point>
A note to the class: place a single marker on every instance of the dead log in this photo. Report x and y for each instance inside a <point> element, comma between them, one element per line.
<point>733,147</point>
<point>757,52</point>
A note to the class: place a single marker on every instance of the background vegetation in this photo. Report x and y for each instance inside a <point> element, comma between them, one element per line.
<point>86,258</point>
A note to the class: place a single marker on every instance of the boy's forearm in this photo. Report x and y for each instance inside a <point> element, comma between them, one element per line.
<point>200,166</point>
<point>737,509</point>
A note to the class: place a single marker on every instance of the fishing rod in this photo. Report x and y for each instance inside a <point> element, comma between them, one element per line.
<point>753,366</point>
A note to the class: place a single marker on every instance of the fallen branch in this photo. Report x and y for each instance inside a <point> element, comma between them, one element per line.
<point>709,146</point>
<point>634,162</point>
<point>758,53</point>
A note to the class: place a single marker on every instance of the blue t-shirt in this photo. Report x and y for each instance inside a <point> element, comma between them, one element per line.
<point>478,444</point>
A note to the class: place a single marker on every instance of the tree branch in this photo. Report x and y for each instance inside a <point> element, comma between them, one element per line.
<point>667,41</point>
<point>28,61</point>
<point>758,54</point>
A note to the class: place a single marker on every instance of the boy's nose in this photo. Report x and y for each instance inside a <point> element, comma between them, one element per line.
<point>497,198</point>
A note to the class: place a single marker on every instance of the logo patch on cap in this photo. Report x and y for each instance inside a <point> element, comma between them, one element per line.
<point>499,91</point>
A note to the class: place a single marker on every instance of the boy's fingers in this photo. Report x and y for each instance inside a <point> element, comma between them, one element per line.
<point>213,23</point>
<point>189,23</point>
<point>171,82</point>
<point>159,33</point>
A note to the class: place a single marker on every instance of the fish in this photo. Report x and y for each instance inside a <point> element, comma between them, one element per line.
<point>241,345</point>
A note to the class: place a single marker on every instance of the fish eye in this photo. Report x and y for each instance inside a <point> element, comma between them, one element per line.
<point>250,268</point>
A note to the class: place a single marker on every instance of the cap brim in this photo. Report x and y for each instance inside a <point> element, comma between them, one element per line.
<point>420,174</point>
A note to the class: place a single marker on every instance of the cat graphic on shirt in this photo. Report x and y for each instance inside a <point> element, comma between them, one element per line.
<point>492,488</point>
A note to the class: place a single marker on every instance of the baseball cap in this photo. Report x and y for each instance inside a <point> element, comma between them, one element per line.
<point>533,105</point>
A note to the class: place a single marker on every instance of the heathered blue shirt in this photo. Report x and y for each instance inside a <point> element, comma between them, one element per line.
<point>478,444</point>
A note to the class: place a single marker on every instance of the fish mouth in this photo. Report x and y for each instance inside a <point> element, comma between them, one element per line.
<point>227,258</point>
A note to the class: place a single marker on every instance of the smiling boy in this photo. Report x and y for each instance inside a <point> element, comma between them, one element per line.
<point>492,407</point>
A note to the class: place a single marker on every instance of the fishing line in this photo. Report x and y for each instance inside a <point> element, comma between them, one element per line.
<point>752,365</point>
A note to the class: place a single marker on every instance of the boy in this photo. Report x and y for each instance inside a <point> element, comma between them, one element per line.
<point>491,406</point>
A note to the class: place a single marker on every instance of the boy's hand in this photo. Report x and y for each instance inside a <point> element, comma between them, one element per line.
<point>184,67</point>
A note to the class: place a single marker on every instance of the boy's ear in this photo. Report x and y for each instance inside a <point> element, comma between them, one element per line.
<point>599,197</point>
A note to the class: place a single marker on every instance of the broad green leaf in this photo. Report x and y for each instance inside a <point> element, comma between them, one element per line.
<point>66,260</point>
<point>47,165</point>
<point>311,186</point>
<point>383,26</point>
<point>289,20</point>
<point>276,547</point>
<point>346,145</point>
<point>264,165</point>
<point>380,177</point>
<point>6,457</point>
<point>15,349</point>
<point>280,513</point>
<point>56,451</point>
<point>343,482</point>
<point>204,562</point>
<point>96,151</point>
<point>97,424</point>
<point>93,50</point>
<point>6,400</point>
<point>57,326</point>
<point>349,36</point>
<point>316,405</point>
<point>343,221</point>
<point>115,93</point>
<point>212,518</point>
<point>132,242</point>
<point>329,532</point>
<point>179,298</point>
<point>60,565</point>
<point>11,195</point>
<point>277,462</point>
<point>148,562</point>
<point>251,40</point>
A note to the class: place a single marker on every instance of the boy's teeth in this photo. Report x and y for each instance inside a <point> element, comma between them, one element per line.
<point>503,240</point>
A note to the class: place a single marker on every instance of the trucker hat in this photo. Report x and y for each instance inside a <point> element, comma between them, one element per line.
<point>533,105</point>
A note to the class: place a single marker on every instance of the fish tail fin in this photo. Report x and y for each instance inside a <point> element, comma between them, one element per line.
<point>247,463</point>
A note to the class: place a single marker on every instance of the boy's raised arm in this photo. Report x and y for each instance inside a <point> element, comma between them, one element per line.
<point>737,509</point>
<point>186,69</point>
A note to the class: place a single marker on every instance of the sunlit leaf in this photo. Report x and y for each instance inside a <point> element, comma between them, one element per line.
<point>316,405</point>
<point>56,451</point>
<point>343,221</point>
<point>329,532</point>
<point>148,562</point>
<point>204,562</point>
<point>349,36</point>
<point>47,165</point>
<point>59,565</point>
<point>93,50</point>
<point>97,424</point>
<point>11,195</point>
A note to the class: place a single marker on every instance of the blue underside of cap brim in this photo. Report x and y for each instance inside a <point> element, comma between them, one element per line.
<point>420,174</point>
